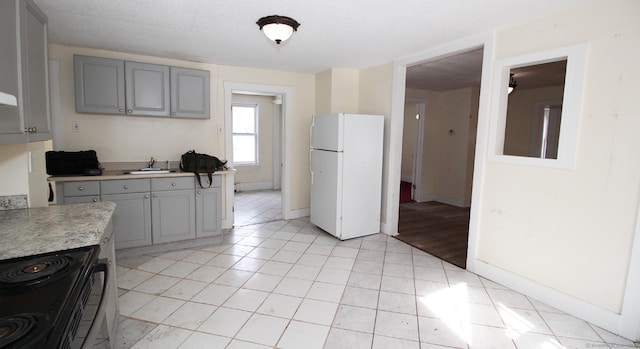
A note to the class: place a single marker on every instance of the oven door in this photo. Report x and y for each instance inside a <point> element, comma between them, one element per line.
<point>89,311</point>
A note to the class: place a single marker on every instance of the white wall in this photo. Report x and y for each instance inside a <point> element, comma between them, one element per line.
<point>571,230</point>
<point>375,90</point>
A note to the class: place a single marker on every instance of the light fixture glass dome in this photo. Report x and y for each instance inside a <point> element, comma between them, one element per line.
<point>277,32</point>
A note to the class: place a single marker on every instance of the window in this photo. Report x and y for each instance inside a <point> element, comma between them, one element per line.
<point>540,132</point>
<point>244,123</point>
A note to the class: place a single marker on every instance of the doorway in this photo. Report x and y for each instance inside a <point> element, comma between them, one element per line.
<point>273,189</point>
<point>437,220</point>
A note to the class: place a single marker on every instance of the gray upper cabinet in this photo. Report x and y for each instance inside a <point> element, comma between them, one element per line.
<point>99,85</point>
<point>147,89</point>
<point>24,72</point>
<point>112,86</point>
<point>190,93</point>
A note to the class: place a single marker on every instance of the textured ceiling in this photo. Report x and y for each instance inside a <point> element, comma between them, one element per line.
<point>333,33</point>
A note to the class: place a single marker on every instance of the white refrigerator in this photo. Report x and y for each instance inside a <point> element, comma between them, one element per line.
<point>346,173</point>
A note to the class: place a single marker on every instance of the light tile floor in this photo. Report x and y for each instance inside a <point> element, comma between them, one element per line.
<point>286,284</point>
<point>260,206</point>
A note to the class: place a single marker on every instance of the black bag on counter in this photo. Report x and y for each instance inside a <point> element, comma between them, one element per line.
<point>201,163</point>
<point>67,163</point>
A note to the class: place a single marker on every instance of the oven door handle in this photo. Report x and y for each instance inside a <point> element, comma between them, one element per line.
<point>101,267</point>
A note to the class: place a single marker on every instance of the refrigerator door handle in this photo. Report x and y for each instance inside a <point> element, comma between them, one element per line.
<point>311,164</point>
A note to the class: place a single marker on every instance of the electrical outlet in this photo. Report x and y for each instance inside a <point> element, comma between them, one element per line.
<point>75,126</point>
<point>220,129</point>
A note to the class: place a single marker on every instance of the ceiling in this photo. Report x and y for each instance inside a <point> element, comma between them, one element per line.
<point>351,34</point>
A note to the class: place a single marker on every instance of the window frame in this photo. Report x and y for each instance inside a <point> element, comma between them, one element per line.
<point>571,106</point>
<point>256,134</point>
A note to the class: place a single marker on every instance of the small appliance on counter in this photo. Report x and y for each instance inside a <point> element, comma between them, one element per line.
<point>73,163</point>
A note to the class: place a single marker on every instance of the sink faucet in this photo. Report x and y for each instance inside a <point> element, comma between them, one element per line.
<point>151,162</point>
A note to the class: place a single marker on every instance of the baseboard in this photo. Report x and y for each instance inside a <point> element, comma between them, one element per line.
<point>293,214</point>
<point>253,186</point>
<point>598,316</point>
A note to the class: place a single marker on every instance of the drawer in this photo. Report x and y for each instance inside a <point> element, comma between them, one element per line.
<point>121,186</point>
<point>215,181</point>
<point>81,199</point>
<point>83,188</point>
<point>171,183</point>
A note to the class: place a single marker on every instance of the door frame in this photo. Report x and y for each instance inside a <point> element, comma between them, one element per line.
<point>416,173</point>
<point>270,90</point>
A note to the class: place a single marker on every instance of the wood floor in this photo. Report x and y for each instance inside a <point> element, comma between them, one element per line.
<point>436,228</point>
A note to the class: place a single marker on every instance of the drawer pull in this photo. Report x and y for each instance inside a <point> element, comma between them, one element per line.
<point>199,192</point>
<point>126,187</point>
<point>95,200</point>
<point>81,188</point>
<point>173,184</point>
<point>146,196</point>
<point>155,195</point>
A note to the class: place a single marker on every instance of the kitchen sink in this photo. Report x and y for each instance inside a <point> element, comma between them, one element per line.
<point>149,171</point>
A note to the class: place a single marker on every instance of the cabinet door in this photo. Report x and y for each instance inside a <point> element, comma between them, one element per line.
<point>131,219</point>
<point>147,89</point>
<point>99,85</point>
<point>208,212</point>
<point>111,311</point>
<point>35,71</point>
<point>173,215</point>
<point>11,126</point>
<point>190,93</point>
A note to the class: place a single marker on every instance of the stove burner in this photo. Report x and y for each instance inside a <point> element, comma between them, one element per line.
<point>34,271</point>
<point>20,329</point>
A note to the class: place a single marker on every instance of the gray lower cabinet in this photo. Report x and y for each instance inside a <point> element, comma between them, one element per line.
<point>208,208</point>
<point>107,250</point>
<point>147,89</point>
<point>78,192</point>
<point>152,210</point>
<point>173,209</point>
<point>99,85</point>
<point>24,72</point>
<point>131,219</point>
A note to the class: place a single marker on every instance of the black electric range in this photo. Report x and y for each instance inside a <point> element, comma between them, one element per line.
<point>43,297</point>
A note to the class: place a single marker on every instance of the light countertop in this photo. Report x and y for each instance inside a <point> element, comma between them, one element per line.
<point>119,174</point>
<point>32,231</point>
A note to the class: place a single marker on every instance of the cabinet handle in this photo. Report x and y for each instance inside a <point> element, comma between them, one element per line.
<point>129,111</point>
<point>146,196</point>
<point>30,130</point>
<point>80,188</point>
<point>155,195</point>
<point>120,110</point>
<point>173,184</point>
<point>95,200</point>
<point>199,192</point>
<point>126,187</point>
<point>174,113</point>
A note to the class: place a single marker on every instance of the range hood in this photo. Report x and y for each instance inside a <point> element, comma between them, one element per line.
<point>7,99</point>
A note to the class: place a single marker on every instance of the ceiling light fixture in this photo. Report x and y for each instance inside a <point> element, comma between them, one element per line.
<point>512,84</point>
<point>278,28</point>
